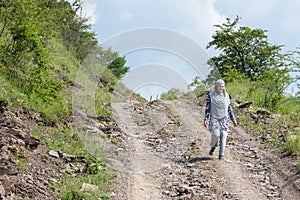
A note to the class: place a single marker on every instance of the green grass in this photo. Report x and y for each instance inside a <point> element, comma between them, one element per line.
<point>60,139</point>
<point>69,187</point>
<point>293,143</point>
<point>284,135</point>
<point>63,60</point>
<point>68,141</point>
<point>102,100</point>
<point>97,174</point>
<point>172,94</point>
<point>11,94</point>
<point>19,96</point>
<point>20,159</point>
<point>290,108</point>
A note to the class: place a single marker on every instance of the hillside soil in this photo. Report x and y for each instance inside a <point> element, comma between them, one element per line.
<point>28,169</point>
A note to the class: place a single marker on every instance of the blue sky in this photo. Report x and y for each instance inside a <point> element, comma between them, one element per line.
<point>194,19</point>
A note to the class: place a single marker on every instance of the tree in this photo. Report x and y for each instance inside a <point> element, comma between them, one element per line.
<point>28,30</point>
<point>118,67</point>
<point>63,18</point>
<point>245,50</point>
<point>27,26</point>
<point>246,53</point>
<point>296,68</point>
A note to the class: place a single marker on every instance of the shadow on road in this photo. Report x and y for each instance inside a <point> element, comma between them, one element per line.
<point>191,160</point>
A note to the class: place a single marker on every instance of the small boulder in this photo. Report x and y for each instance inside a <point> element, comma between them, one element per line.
<point>88,187</point>
<point>53,154</point>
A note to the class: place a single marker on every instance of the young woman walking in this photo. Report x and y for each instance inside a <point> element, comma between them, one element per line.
<point>217,113</point>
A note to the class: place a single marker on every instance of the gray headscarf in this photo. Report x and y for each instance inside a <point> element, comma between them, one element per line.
<point>219,102</point>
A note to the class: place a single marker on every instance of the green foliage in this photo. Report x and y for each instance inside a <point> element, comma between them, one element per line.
<point>42,44</point>
<point>293,142</point>
<point>273,86</point>
<point>102,99</point>
<point>98,82</point>
<point>61,139</point>
<point>233,74</point>
<point>25,57</point>
<point>245,50</point>
<point>255,91</point>
<point>69,187</point>
<point>64,62</point>
<point>172,94</point>
<point>23,32</point>
<point>51,111</point>
<point>11,94</point>
<point>31,35</point>
<point>97,174</point>
<point>284,135</point>
<point>296,68</point>
<point>67,140</point>
<point>95,165</point>
<point>290,106</point>
<point>61,17</point>
<point>198,87</point>
<point>118,68</point>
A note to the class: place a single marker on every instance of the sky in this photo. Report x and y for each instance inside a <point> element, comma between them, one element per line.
<point>121,23</point>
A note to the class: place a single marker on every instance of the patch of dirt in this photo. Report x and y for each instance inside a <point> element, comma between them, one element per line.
<point>166,157</point>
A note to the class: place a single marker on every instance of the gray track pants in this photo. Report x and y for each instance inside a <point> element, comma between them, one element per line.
<point>219,130</point>
<point>217,134</point>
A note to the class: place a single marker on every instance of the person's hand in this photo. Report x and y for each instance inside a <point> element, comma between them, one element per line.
<point>206,123</point>
<point>235,124</point>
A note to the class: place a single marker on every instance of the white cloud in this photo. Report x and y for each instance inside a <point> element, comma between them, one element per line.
<point>199,18</point>
<point>195,18</point>
<point>89,11</point>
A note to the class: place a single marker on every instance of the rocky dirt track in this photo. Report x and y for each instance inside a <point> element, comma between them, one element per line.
<point>161,153</point>
<point>165,156</point>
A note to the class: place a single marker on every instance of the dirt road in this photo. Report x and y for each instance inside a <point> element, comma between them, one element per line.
<point>166,157</point>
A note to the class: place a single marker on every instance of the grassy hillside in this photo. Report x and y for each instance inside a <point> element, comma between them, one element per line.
<point>284,131</point>
<point>44,46</point>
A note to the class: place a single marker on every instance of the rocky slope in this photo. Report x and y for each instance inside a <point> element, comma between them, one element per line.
<point>27,167</point>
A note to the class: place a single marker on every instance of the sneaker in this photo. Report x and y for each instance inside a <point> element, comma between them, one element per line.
<point>221,157</point>
<point>211,152</point>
